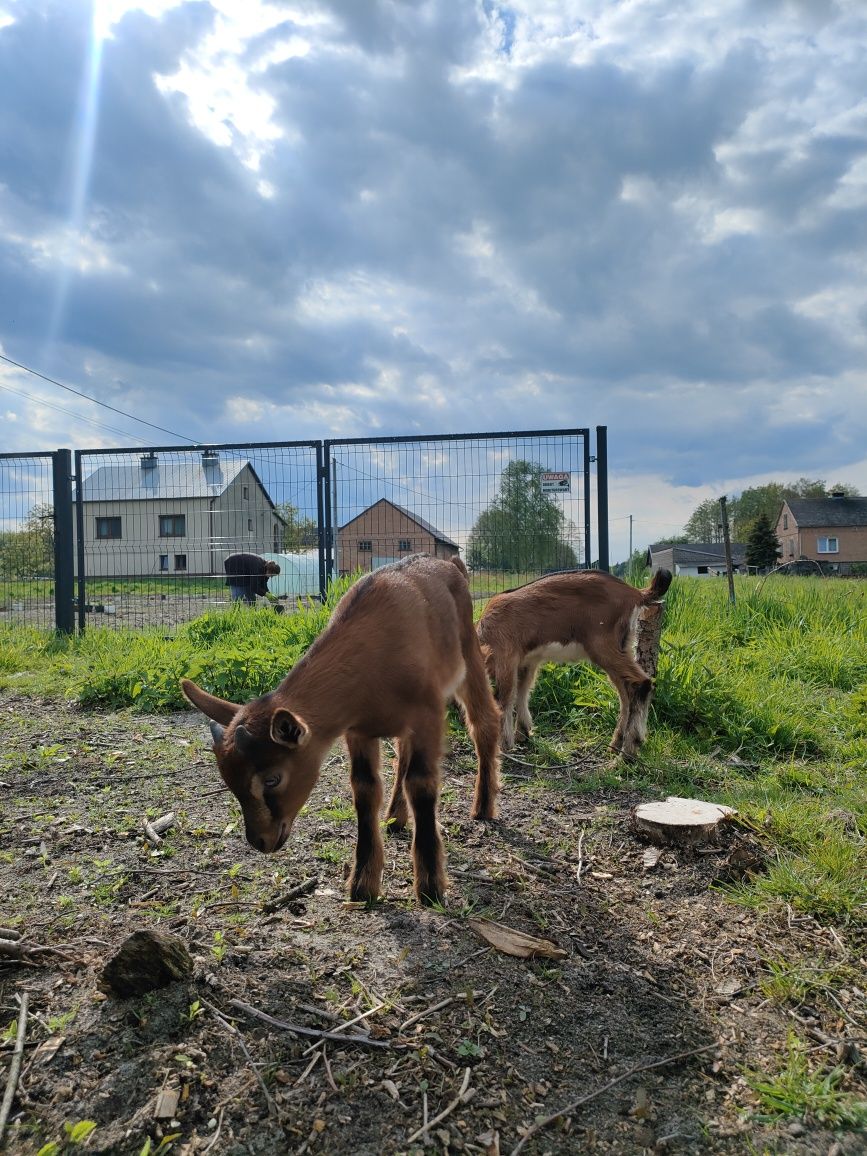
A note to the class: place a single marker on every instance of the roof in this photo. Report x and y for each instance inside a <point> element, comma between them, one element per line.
<point>819,512</point>
<point>170,478</point>
<point>425,525</point>
<point>698,553</point>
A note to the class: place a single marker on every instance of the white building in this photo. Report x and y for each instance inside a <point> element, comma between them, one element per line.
<point>161,514</point>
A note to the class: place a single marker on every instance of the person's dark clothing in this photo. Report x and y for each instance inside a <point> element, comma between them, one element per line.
<point>245,574</point>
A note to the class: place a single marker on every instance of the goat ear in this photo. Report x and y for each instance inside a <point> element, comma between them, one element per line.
<point>214,708</point>
<point>287,729</point>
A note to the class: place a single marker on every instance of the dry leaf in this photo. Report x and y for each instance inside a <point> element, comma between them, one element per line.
<point>167,1104</point>
<point>512,942</point>
<point>651,857</point>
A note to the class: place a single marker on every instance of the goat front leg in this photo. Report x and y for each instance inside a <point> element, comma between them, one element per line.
<point>422,787</point>
<point>506,693</point>
<point>366,878</point>
<point>526,682</point>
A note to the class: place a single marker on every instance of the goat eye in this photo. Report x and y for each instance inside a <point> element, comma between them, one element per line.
<point>271,782</point>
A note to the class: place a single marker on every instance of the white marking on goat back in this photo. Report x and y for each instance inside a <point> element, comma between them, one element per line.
<point>456,682</point>
<point>558,652</point>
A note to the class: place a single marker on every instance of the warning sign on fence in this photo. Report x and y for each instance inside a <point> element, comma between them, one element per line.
<point>556,482</point>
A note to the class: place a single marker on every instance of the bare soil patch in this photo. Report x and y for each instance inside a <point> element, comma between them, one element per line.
<point>659,962</point>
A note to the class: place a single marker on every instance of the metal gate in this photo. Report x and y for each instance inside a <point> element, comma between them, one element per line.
<point>514,505</point>
<point>153,526</point>
<point>138,537</point>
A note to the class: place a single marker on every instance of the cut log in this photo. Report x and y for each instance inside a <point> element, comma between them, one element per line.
<point>680,822</point>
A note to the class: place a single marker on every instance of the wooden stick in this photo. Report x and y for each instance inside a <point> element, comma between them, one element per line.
<point>293,893</point>
<point>344,1024</point>
<point>605,1088</point>
<point>230,1027</point>
<point>461,1098</point>
<point>313,1033</point>
<point>14,1066</point>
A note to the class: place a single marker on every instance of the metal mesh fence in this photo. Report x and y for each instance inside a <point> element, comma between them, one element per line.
<point>514,505</point>
<point>153,527</point>
<point>27,539</point>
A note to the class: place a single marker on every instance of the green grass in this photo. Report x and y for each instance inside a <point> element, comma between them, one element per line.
<point>798,1088</point>
<point>762,705</point>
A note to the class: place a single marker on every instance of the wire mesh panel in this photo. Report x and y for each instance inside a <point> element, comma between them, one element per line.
<point>154,527</point>
<point>27,539</point>
<point>514,506</point>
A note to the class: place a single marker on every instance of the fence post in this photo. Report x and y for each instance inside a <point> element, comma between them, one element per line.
<point>321,506</point>
<point>602,494</point>
<point>64,543</point>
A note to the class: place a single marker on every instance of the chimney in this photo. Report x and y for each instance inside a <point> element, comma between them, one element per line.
<point>149,461</point>
<point>210,458</point>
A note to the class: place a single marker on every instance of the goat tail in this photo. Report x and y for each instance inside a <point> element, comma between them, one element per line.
<point>658,585</point>
<point>456,560</point>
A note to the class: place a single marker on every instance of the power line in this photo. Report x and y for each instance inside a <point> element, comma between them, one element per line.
<point>63,409</point>
<point>96,401</point>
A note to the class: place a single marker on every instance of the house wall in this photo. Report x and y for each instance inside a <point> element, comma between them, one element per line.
<point>137,552</point>
<point>214,527</point>
<point>801,542</point>
<point>384,527</point>
<point>240,523</point>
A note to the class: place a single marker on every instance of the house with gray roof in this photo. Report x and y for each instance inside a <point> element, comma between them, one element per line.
<point>386,532</point>
<point>177,513</point>
<point>831,531</point>
<point>695,559</point>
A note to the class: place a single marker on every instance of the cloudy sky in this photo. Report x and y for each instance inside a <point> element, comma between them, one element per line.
<point>251,221</point>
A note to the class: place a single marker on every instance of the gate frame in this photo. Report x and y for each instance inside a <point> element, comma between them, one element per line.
<point>198,447</point>
<point>503,435</point>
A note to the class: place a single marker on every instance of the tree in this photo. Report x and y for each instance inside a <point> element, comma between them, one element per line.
<point>29,552</point>
<point>704,523</point>
<point>762,547</point>
<point>523,528</point>
<point>299,532</point>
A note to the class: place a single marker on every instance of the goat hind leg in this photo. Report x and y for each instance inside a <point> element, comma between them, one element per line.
<point>366,878</point>
<point>422,786</point>
<point>483,723</point>
<point>526,682</point>
<point>398,811</point>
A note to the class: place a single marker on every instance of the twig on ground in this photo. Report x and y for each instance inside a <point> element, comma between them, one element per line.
<point>14,1066</point>
<point>328,1073</point>
<point>287,897</point>
<point>154,830</point>
<point>216,1135</point>
<point>436,1007</point>
<point>580,855</point>
<point>462,1097</point>
<point>605,1088</point>
<point>230,1027</point>
<point>344,1024</point>
<point>312,1033</point>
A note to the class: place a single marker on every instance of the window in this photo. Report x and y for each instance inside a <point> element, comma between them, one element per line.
<point>785,521</point>
<point>365,545</point>
<point>180,561</point>
<point>791,547</point>
<point>164,562</point>
<point>173,525</point>
<point>107,528</point>
<point>245,493</point>
<point>827,546</point>
<point>702,569</point>
<point>249,525</point>
<point>404,544</point>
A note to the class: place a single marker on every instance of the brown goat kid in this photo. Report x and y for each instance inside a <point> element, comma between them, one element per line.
<point>400,644</point>
<point>582,615</point>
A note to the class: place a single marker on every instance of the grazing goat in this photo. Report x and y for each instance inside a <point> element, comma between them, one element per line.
<point>400,644</point>
<point>569,617</point>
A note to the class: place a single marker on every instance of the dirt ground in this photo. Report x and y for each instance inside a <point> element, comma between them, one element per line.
<point>479,1045</point>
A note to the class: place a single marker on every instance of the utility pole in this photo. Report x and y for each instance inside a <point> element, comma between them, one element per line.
<point>630,539</point>
<point>724,517</point>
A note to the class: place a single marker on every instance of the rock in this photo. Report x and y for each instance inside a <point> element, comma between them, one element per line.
<point>147,960</point>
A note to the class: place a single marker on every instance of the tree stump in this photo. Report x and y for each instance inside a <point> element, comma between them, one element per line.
<point>147,960</point>
<point>680,822</point>
<point>647,637</point>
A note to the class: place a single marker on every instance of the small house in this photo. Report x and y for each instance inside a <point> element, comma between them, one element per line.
<point>695,559</point>
<point>386,532</point>
<point>831,531</point>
